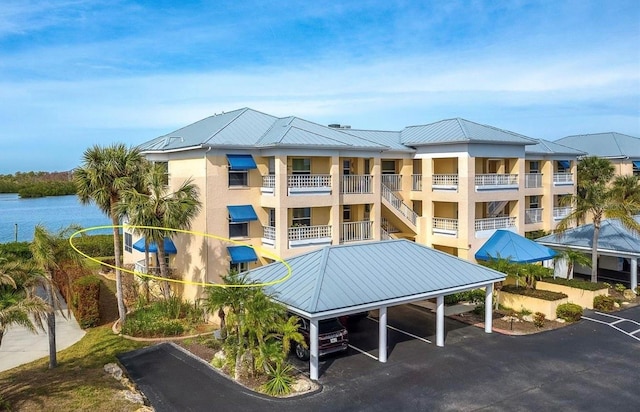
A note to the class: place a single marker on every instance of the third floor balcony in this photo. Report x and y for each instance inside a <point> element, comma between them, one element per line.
<point>496,181</point>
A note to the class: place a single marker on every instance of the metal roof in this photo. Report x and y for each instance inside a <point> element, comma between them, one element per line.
<point>390,139</point>
<point>609,144</point>
<point>345,276</point>
<point>546,147</point>
<point>504,244</point>
<point>460,131</point>
<point>613,237</point>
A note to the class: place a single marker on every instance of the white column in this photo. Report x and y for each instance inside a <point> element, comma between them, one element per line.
<point>382,335</point>
<point>488,308</point>
<point>634,273</point>
<point>440,321</point>
<point>313,350</point>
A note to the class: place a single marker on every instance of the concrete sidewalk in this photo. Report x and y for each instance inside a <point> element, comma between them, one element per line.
<point>20,346</point>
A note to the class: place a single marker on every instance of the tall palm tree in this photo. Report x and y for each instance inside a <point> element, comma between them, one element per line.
<point>19,304</point>
<point>154,208</point>
<point>599,197</point>
<point>105,173</point>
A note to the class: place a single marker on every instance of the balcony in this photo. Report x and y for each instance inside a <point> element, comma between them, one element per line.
<point>141,267</point>
<point>356,184</point>
<point>309,235</point>
<point>393,182</point>
<point>560,213</point>
<point>445,182</point>
<point>309,184</point>
<point>533,180</point>
<point>269,235</point>
<point>496,181</point>
<point>533,215</point>
<point>268,184</point>
<point>445,226</point>
<point>416,183</point>
<point>486,227</point>
<point>563,179</point>
<point>356,231</point>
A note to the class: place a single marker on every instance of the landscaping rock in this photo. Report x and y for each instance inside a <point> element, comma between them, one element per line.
<point>301,385</point>
<point>628,294</point>
<point>113,370</point>
<point>561,320</point>
<point>133,397</point>
<point>527,318</point>
<point>616,305</point>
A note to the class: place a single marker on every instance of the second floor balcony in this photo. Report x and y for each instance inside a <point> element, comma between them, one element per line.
<point>485,227</point>
<point>356,231</point>
<point>309,184</point>
<point>496,181</point>
<point>392,181</point>
<point>445,182</point>
<point>356,184</point>
<point>445,226</point>
<point>563,179</point>
<point>560,213</point>
<point>416,183</point>
<point>533,215</point>
<point>309,235</point>
<point>533,180</point>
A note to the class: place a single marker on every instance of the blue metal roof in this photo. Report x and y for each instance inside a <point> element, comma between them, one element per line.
<point>241,162</point>
<point>513,247</point>
<point>613,237</point>
<point>242,254</point>
<point>610,144</point>
<point>242,213</point>
<point>546,147</point>
<point>338,277</point>
<point>169,246</point>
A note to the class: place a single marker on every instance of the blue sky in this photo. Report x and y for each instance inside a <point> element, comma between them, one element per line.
<point>74,73</point>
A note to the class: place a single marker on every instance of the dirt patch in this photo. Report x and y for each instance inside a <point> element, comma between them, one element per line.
<point>507,323</point>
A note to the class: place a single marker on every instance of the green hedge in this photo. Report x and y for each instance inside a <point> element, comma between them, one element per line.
<point>86,300</point>
<point>604,303</point>
<point>577,283</point>
<point>533,293</point>
<point>96,245</point>
<point>569,312</point>
<point>18,249</point>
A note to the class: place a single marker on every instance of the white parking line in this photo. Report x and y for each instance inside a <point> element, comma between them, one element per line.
<point>405,332</point>
<point>363,352</point>
<point>613,323</point>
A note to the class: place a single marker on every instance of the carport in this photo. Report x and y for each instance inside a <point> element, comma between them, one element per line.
<point>614,240</point>
<point>347,279</point>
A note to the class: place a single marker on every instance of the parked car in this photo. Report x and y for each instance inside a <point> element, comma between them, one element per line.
<point>332,337</point>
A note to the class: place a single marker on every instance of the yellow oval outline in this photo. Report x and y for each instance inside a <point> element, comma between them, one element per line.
<point>190,232</point>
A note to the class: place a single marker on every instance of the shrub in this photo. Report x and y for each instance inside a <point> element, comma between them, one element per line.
<point>525,312</point>
<point>569,312</point>
<point>280,380</point>
<point>578,284</point>
<point>20,250</point>
<point>170,317</point>
<point>533,293</point>
<point>620,287</point>
<point>479,310</point>
<point>538,319</point>
<point>86,300</point>
<point>604,303</point>
<point>95,245</point>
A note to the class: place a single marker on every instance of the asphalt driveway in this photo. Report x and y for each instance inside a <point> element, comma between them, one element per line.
<point>582,367</point>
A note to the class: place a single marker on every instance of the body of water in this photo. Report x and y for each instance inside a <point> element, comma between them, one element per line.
<point>54,213</point>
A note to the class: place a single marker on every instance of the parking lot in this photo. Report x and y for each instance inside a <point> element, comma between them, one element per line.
<point>582,367</point>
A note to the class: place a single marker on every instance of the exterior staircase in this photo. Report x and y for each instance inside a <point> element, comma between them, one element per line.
<point>400,209</point>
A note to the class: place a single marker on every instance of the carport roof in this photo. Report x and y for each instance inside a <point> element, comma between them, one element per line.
<point>336,278</point>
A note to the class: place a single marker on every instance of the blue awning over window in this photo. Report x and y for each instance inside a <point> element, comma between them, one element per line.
<point>169,247</point>
<point>565,163</point>
<point>242,254</point>
<point>244,213</point>
<point>241,162</point>
<point>636,164</point>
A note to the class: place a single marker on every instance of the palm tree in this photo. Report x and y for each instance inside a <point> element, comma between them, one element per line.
<point>107,172</point>
<point>598,197</point>
<point>18,303</point>
<point>155,208</point>
<point>573,257</point>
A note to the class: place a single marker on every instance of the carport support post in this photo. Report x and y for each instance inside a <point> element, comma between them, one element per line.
<point>382,334</point>
<point>634,274</point>
<point>488,308</point>
<point>440,320</point>
<point>313,350</point>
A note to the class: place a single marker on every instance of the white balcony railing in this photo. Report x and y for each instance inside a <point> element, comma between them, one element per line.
<point>387,226</point>
<point>269,235</point>
<point>533,180</point>
<point>445,226</point>
<point>308,181</point>
<point>309,232</point>
<point>560,213</point>
<point>356,231</point>
<point>445,182</point>
<point>495,223</point>
<point>399,205</point>
<point>269,181</point>
<point>496,181</point>
<point>356,184</point>
<point>533,215</point>
<point>393,182</point>
<point>141,267</point>
<point>416,183</point>
<point>563,179</point>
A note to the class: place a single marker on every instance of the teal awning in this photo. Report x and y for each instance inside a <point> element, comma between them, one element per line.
<point>241,162</point>
<point>511,246</point>
<point>243,213</point>
<point>565,163</point>
<point>242,254</point>
<point>636,164</point>
<point>169,247</point>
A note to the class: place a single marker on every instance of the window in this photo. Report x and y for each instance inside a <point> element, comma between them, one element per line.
<point>128,242</point>
<point>239,267</point>
<point>367,211</point>
<point>272,217</point>
<point>367,166</point>
<point>388,167</point>
<point>534,166</point>
<point>564,166</point>
<point>301,166</point>
<point>238,178</point>
<point>346,213</point>
<point>301,217</point>
<point>272,165</point>
<point>346,167</point>
<point>534,202</point>
<point>238,229</point>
